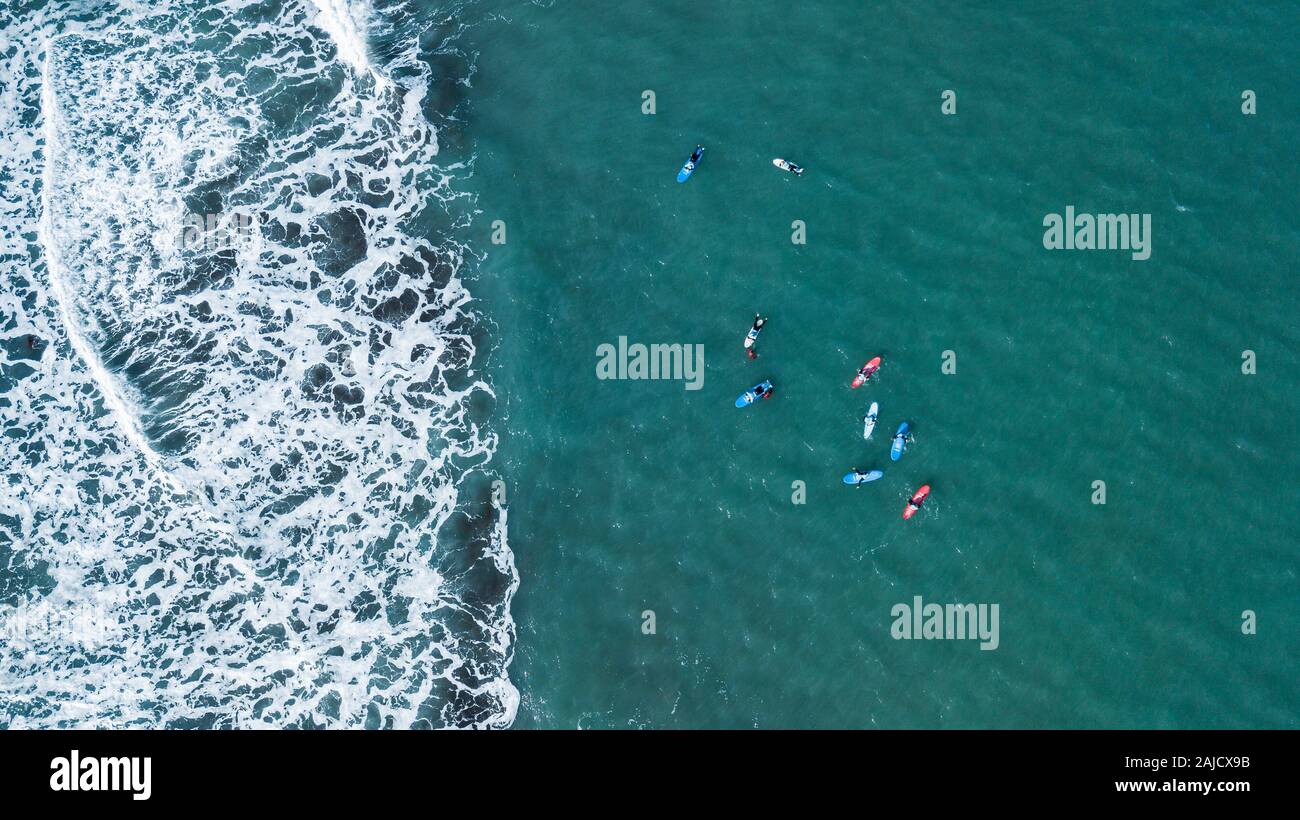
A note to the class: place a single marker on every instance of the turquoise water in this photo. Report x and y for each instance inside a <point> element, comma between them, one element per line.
<point>924,234</point>
<point>256,480</point>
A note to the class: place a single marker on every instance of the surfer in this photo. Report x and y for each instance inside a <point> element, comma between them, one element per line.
<point>858,477</point>
<point>752,336</point>
<point>689,167</point>
<point>787,165</point>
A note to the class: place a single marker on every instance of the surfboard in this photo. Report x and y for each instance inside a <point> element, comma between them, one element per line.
<point>862,478</point>
<point>865,373</point>
<point>786,165</point>
<point>900,442</point>
<point>689,167</point>
<point>914,503</point>
<point>869,420</point>
<point>754,393</point>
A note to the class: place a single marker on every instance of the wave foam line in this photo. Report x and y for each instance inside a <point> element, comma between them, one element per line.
<point>346,25</point>
<point>113,398</point>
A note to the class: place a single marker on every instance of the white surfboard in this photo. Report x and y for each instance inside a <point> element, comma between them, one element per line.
<point>785,165</point>
<point>869,420</point>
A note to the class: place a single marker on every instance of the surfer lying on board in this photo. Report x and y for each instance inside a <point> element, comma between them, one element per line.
<point>752,335</point>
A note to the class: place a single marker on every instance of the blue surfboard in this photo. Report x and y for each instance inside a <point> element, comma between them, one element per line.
<point>753,394</point>
<point>689,167</point>
<point>900,442</point>
<point>862,478</point>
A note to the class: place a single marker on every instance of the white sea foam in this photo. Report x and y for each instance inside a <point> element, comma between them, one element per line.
<point>346,23</point>
<point>258,465</point>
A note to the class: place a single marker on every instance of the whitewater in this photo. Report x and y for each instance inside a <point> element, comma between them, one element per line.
<point>247,454</point>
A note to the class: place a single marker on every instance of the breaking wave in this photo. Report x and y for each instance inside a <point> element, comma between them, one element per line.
<point>248,476</point>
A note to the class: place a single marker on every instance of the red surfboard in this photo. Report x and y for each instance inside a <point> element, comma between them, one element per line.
<point>915,503</point>
<point>865,372</point>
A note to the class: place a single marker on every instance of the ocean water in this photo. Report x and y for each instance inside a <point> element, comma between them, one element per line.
<point>245,429</point>
<point>924,235</point>
<point>259,476</point>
